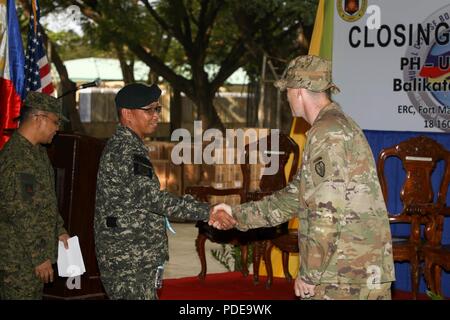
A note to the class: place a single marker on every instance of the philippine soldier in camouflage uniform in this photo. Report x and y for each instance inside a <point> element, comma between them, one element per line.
<point>30,223</point>
<point>344,234</point>
<point>131,211</point>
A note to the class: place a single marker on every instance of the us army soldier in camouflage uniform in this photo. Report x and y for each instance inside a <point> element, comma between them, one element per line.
<point>344,234</point>
<point>131,211</point>
<point>30,223</point>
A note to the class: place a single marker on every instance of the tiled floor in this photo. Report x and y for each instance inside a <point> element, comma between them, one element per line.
<point>184,261</point>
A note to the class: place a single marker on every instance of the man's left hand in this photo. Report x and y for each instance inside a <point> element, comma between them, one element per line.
<point>303,289</point>
<point>64,237</point>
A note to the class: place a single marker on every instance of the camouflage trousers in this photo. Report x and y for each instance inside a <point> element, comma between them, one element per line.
<point>140,287</point>
<point>346,291</point>
<point>20,283</point>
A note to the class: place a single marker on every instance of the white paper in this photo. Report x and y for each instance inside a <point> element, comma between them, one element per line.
<point>70,261</point>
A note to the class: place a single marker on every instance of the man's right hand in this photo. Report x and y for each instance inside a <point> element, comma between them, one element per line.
<point>221,217</point>
<point>44,271</point>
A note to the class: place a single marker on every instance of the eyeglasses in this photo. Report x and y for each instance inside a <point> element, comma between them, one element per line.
<point>55,122</point>
<point>151,111</point>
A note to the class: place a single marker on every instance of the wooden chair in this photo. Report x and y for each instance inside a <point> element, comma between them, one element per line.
<point>419,156</point>
<point>287,243</point>
<point>268,184</point>
<point>435,254</point>
<point>287,240</point>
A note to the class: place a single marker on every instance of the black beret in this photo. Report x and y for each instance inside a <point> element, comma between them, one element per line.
<point>137,95</point>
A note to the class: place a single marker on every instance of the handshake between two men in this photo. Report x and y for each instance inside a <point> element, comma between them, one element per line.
<point>221,217</point>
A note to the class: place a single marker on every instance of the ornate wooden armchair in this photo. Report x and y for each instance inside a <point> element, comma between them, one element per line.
<point>435,254</point>
<point>419,156</point>
<point>268,184</point>
<point>287,240</point>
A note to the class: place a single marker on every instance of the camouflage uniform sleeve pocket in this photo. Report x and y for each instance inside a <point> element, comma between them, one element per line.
<point>142,166</point>
<point>28,186</point>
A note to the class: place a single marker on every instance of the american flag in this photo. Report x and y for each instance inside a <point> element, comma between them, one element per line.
<point>37,69</point>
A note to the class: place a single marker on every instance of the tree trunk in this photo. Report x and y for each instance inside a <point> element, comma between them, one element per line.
<point>69,101</point>
<point>207,112</point>
<point>253,89</point>
<point>176,112</point>
<point>152,77</point>
<point>204,98</point>
<point>127,69</point>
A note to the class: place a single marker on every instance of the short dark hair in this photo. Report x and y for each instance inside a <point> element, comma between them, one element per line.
<point>25,113</point>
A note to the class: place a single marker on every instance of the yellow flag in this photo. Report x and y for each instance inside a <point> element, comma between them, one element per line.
<point>321,45</point>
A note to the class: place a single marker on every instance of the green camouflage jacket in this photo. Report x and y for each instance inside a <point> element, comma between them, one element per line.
<point>29,219</point>
<point>131,210</point>
<point>344,233</point>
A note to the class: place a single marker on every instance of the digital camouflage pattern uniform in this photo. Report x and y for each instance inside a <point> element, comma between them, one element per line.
<point>130,219</point>
<point>30,222</point>
<point>344,233</point>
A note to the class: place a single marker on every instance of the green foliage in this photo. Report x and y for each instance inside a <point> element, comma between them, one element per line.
<point>230,256</point>
<point>224,255</point>
<point>270,26</point>
<point>277,26</point>
<point>72,46</point>
<point>178,38</point>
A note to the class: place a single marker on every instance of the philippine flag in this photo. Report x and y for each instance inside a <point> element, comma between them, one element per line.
<point>12,62</point>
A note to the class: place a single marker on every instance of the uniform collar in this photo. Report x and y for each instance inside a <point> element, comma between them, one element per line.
<point>130,132</point>
<point>134,137</point>
<point>331,106</point>
<point>24,141</point>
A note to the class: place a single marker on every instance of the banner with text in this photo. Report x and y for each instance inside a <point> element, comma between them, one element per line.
<point>391,60</point>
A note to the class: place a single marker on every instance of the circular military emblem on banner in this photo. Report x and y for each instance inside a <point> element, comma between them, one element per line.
<point>351,10</point>
<point>430,94</point>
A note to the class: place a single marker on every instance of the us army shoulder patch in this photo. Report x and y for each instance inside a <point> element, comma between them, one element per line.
<point>319,167</point>
<point>27,185</point>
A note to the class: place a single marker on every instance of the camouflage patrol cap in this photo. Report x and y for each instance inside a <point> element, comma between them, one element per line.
<point>309,72</point>
<point>44,102</point>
